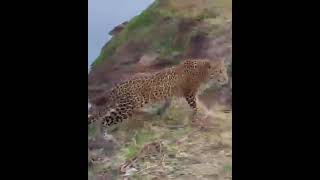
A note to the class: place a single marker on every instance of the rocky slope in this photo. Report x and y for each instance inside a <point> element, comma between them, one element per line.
<point>161,36</point>
<point>185,152</point>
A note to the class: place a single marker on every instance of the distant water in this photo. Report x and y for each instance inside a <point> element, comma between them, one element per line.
<point>103,16</point>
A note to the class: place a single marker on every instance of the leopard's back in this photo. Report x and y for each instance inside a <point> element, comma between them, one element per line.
<point>179,81</point>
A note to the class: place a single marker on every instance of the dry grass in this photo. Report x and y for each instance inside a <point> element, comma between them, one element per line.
<point>185,153</point>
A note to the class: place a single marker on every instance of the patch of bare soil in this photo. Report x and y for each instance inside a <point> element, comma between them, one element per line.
<point>166,146</point>
<point>134,57</point>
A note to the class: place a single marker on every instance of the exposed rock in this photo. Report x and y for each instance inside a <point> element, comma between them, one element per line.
<point>165,34</point>
<point>118,28</point>
<point>148,59</point>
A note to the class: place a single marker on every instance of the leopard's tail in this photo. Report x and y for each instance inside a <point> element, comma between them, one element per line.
<point>99,106</point>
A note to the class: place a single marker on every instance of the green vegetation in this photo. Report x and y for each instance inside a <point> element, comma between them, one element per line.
<point>139,140</point>
<point>170,40</point>
<point>228,168</point>
<point>92,131</point>
<point>168,29</point>
<point>143,136</point>
<point>138,26</point>
<point>181,132</point>
<point>131,151</point>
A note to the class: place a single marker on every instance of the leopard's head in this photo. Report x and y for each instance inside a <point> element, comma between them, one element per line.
<point>217,71</point>
<point>205,69</point>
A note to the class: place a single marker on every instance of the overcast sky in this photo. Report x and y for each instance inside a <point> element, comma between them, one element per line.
<point>104,15</point>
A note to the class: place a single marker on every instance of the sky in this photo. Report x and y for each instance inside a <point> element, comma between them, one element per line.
<point>104,15</point>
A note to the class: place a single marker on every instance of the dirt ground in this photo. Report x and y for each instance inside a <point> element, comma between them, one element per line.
<point>166,146</point>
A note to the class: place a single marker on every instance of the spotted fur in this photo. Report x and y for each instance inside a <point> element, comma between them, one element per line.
<point>182,80</point>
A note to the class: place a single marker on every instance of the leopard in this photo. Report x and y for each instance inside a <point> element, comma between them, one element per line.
<point>181,81</point>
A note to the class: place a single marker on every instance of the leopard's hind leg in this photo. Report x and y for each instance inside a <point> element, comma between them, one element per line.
<point>117,114</point>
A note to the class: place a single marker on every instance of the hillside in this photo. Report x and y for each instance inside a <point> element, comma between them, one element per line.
<point>161,36</point>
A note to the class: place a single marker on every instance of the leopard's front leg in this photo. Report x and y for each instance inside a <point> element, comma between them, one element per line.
<point>196,119</point>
